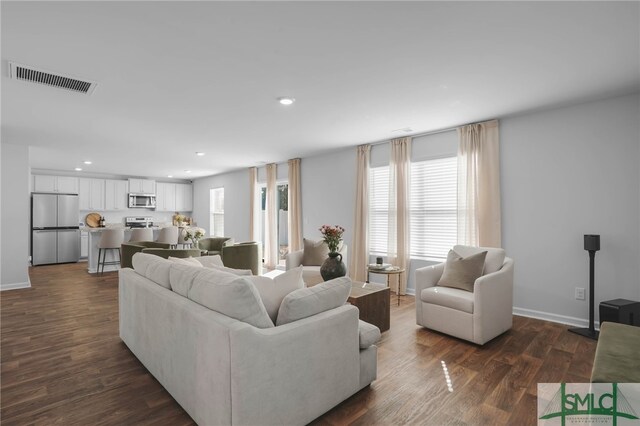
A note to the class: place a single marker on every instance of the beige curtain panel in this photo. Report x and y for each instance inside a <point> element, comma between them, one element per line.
<point>271,249</point>
<point>254,203</point>
<point>479,219</point>
<point>360,250</point>
<point>399,207</point>
<point>295,206</point>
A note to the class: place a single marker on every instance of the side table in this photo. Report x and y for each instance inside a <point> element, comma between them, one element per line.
<point>372,300</point>
<point>388,273</point>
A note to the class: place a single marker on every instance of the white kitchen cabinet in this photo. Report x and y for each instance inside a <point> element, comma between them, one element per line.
<point>115,194</point>
<point>142,186</point>
<point>60,184</point>
<point>165,197</point>
<point>91,194</point>
<point>184,197</point>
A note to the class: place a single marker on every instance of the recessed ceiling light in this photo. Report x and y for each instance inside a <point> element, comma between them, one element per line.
<point>78,169</point>
<point>286,101</point>
<point>187,171</point>
<point>87,162</point>
<point>170,176</point>
<point>199,154</point>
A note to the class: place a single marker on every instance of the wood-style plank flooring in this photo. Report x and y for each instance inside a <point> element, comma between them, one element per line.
<point>62,362</point>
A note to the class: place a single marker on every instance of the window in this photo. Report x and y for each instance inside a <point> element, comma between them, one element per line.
<point>282,219</point>
<point>433,216</point>
<point>378,209</point>
<point>216,209</point>
<point>433,196</point>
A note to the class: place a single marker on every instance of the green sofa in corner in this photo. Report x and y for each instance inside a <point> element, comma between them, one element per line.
<point>127,250</point>
<point>617,357</point>
<point>214,245</point>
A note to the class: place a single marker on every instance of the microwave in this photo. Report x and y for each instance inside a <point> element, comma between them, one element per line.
<point>142,201</point>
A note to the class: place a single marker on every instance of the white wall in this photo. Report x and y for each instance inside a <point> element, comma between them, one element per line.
<point>14,219</point>
<point>565,173</point>
<point>236,202</point>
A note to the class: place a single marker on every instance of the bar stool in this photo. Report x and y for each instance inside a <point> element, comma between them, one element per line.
<point>168,235</point>
<point>111,239</point>
<point>141,234</point>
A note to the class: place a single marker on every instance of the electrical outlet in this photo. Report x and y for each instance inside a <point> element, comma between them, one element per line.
<point>579,293</point>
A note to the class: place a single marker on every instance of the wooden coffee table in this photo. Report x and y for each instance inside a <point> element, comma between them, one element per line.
<point>373,302</point>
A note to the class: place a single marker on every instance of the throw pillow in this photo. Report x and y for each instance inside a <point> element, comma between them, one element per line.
<point>185,261</point>
<point>492,263</point>
<point>315,252</point>
<point>209,261</point>
<point>232,271</point>
<point>305,302</point>
<point>152,267</point>
<point>462,272</point>
<point>273,290</point>
<point>230,295</point>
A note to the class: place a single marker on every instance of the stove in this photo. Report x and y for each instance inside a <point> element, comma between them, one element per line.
<point>138,222</point>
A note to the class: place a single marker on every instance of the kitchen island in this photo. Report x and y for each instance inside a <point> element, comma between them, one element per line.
<point>94,237</point>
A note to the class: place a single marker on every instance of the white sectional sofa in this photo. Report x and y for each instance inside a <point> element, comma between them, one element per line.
<point>245,370</point>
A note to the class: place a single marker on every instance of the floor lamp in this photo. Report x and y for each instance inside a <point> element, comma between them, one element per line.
<point>592,245</point>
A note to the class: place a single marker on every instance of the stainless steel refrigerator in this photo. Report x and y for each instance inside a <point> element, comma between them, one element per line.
<point>55,235</point>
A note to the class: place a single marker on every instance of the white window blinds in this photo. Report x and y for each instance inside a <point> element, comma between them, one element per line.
<point>217,212</point>
<point>378,209</point>
<point>433,207</point>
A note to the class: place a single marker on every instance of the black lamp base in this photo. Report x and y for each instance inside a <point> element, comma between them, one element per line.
<point>586,332</point>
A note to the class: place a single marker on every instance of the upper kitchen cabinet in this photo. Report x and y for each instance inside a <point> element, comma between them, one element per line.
<point>115,194</point>
<point>165,197</point>
<point>184,197</point>
<point>142,186</point>
<point>59,184</point>
<point>91,194</point>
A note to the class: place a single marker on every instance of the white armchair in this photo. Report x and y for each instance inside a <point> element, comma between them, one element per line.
<point>311,268</point>
<point>476,316</point>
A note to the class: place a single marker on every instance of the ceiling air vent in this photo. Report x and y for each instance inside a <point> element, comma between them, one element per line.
<point>34,75</point>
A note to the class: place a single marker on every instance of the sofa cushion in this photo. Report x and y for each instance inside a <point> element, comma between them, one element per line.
<point>209,261</point>
<point>368,334</point>
<point>315,252</point>
<point>152,267</point>
<point>492,263</point>
<point>232,271</point>
<point>462,272</point>
<point>454,298</point>
<point>181,277</point>
<point>185,261</point>
<point>273,290</point>
<point>305,302</point>
<point>230,295</point>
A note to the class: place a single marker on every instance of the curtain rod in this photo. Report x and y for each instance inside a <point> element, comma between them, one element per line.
<point>417,135</point>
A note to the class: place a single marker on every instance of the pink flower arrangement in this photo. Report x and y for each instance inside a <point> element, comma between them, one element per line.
<point>332,235</point>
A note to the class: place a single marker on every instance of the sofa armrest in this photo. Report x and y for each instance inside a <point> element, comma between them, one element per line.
<point>306,367</point>
<point>294,259</point>
<point>428,277</point>
<point>493,302</point>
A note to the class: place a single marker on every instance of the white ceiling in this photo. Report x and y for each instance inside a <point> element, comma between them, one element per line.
<point>179,77</point>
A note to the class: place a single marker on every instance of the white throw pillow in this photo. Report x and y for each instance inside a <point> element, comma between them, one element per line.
<point>232,271</point>
<point>306,302</point>
<point>210,261</point>
<point>273,290</point>
<point>185,261</point>
<point>152,267</point>
<point>230,295</point>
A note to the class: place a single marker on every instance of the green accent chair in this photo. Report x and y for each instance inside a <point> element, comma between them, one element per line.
<point>214,245</point>
<point>243,256</point>
<point>165,253</point>
<point>127,250</point>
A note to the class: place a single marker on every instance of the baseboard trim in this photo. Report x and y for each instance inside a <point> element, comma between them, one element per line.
<point>548,316</point>
<point>15,286</point>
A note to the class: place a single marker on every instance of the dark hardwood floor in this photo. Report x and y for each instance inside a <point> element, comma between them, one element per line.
<point>62,362</point>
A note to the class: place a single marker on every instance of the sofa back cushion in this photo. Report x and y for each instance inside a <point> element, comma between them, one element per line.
<point>209,261</point>
<point>230,295</point>
<point>492,263</point>
<point>152,267</point>
<point>185,261</point>
<point>273,290</point>
<point>306,302</point>
<point>181,277</point>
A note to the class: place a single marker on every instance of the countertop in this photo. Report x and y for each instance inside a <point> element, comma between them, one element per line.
<point>125,228</point>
